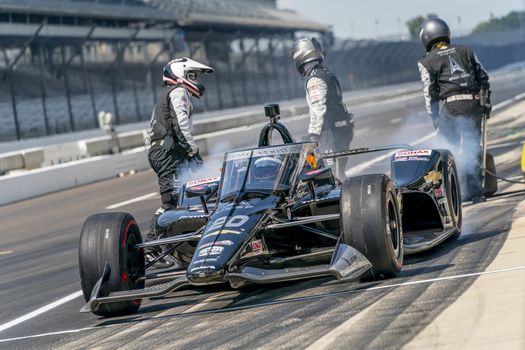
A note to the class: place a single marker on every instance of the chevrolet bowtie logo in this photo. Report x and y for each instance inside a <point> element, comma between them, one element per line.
<point>433,177</point>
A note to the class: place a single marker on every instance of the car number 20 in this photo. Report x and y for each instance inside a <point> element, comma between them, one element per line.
<point>234,221</point>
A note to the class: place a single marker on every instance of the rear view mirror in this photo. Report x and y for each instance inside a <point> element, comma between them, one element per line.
<point>197,191</point>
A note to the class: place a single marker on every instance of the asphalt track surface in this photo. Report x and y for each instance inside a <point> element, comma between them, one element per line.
<point>39,266</point>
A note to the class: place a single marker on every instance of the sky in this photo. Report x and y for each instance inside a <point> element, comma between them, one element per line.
<point>386,18</point>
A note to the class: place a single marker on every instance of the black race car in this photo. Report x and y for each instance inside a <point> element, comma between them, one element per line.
<point>276,214</point>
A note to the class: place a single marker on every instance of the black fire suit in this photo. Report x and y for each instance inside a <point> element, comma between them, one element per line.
<point>454,75</point>
<point>172,143</point>
<point>330,122</point>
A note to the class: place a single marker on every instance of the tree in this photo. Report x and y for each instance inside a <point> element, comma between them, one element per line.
<point>414,24</point>
<point>513,20</point>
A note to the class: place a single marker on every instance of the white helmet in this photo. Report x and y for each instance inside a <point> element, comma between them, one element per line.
<point>185,71</point>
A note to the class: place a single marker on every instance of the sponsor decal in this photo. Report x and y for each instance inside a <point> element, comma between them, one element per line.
<point>218,243</point>
<point>400,159</point>
<point>202,181</point>
<point>340,124</point>
<point>211,251</point>
<point>287,149</point>
<point>257,247</point>
<point>289,214</point>
<point>203,267</point>
<point>433,177</point>
<point>200,261</point>
<point>418,152</point>
<point>424,159</point>
<point>438,192</point>
<point>237,155</point>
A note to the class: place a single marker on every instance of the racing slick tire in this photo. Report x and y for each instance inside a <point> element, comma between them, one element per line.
<point>371,223</point>
<point>491,182</point>
<point>110,237</point>
<point>451,184</point>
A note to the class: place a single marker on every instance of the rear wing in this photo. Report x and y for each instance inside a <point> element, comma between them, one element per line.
<point>354,151</point>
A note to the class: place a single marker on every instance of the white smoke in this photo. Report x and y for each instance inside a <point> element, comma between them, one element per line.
<point>211,166</point>
<point>465,151</point>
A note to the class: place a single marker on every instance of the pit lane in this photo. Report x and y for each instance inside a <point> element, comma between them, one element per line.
<point>42,235</point>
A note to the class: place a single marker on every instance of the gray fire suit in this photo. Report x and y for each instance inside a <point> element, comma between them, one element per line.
<point>454,75</point>
<point>330,122</point>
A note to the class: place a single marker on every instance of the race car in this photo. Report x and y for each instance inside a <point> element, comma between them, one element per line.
<point>276,214</point>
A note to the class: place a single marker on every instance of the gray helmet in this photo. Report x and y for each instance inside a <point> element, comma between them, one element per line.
<point>306,50</point>
<point>432,31</point>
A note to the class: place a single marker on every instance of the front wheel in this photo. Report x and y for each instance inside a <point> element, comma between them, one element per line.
<point>371,222</point>
<point>111,238</point>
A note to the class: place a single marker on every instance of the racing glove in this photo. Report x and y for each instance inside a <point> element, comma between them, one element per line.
<point>195,161</point>
<point>486,104</point>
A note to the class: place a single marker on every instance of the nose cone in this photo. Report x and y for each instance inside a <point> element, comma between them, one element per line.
<point>205,274</point>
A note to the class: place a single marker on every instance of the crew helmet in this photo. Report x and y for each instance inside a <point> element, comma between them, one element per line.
<point>433,31</point>
<point>185,71</point>
<point>306,50</point>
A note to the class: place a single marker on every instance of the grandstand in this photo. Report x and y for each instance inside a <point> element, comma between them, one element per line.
<point>63,61</point>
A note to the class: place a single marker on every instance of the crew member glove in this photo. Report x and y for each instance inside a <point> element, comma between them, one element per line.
<point>487,109</point>
<point>314,138</point>
<point>195,161</point>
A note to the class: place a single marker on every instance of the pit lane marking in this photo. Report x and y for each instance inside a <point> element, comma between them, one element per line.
<point>133,200</point>
<point>6,252</point>
<point>329,338</point>
<point>263,304</point>
<point>39,311</point>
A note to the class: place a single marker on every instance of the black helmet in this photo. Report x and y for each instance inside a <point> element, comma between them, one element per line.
<point>432,31</point>
<point>306,50</point>
<point>266,168</point>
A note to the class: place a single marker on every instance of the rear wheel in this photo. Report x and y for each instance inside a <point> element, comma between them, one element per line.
<point>371,222</point>
<point>110,238</point>
<point>453,193</point>
<point>491,182</point>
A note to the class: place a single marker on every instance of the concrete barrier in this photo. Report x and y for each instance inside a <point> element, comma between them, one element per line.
<point>59,177</point>
<point>33,158</point>
<point>11,161</point>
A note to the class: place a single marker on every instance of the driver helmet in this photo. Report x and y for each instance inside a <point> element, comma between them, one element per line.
<point>306,50</point>
<point>266,168</point>
<point>185,71</point>
<point>433,31</point>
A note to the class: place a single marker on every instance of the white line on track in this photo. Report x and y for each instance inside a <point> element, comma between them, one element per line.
<point>328,339</point>
<point>6,252</point>
<point>133,200</point>
<point>508,102</point>
<point>284,301</point>
<point>40,311</point>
